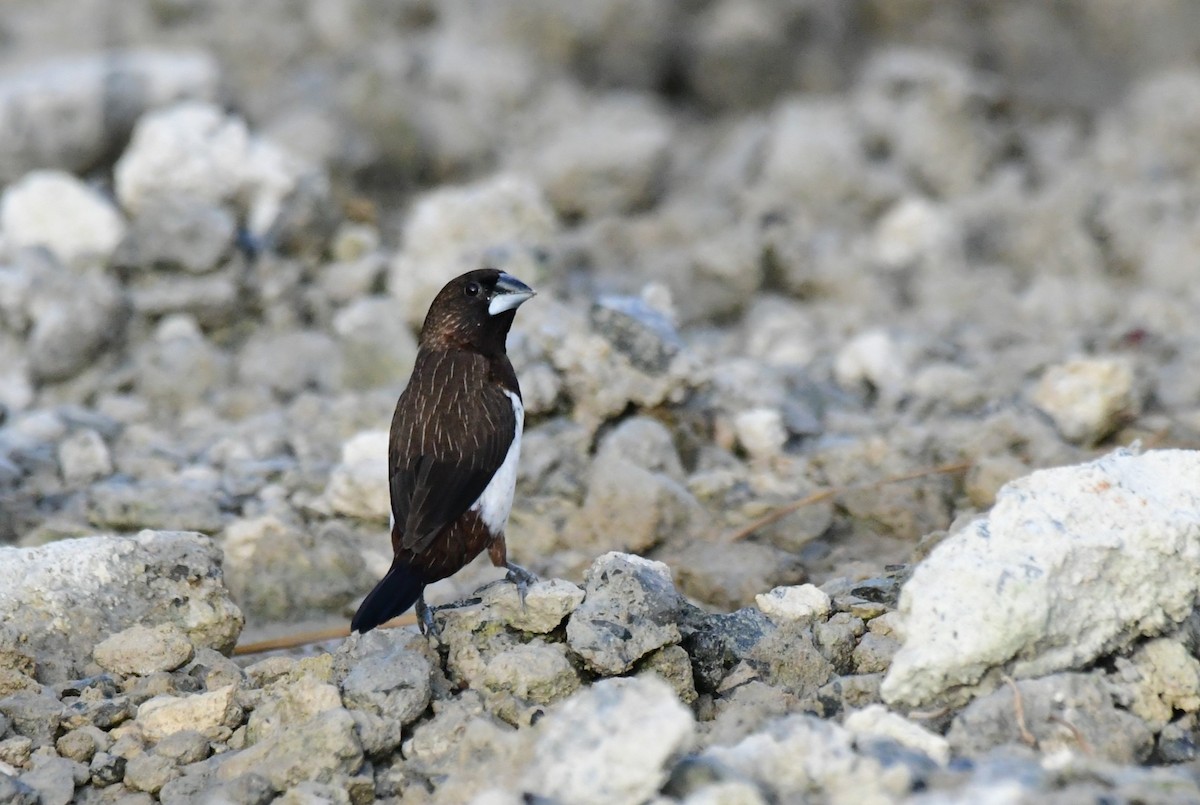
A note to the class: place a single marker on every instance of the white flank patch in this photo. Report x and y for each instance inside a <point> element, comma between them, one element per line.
<point>496,501</point>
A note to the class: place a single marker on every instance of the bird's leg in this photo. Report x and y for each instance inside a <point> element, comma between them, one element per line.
<point>425,618</point>
<point>522,578</point>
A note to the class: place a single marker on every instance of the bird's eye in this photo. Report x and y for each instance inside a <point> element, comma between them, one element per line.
<point>472,289</point>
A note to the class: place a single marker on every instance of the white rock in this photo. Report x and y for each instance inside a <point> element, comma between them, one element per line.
<point>611,743</point>
<point>1088,398</point>
<point>1072,563</point>
<point>83,457</point>
<point>877,721</point>
<point>802,602</point>
<point>195,149</point>
<point>872,358</point>
<point>457,229</point>
<point>358,486</point>
<point>55,210</point>
<point>761,432</point>
<point>912,231</point>
<point>142,650</point>
<point>1168,680</point>
<point>205,713</point>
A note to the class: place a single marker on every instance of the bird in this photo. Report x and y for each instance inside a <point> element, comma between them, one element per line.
<point>453,447</point>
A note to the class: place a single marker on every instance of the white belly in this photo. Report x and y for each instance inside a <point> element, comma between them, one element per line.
<point>495,503</point>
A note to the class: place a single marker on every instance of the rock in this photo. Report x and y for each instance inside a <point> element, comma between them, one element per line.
<point>16,792</point>
<point>312,570</point>
<point>142,650</point>
<point>801,755</point>
<point>519,678</point>
<point>358,486</point>
<point>34,209</point>
<point>83,457</point>
<point>502,222</point>
<point>1061,711</point>
<point>194,150</point>
<point>289,363</point>
<point>82,744</point>
<point>610,743</point>
<point>33,716</point>
<point>178,233</point>
<point>718,643</point>
<point>874,360</point>
<point>215,299</point>
<point>325,745</point>
<point>179,368</point>
<point>1088,398</point>
<point>805,603</point>
<point>629,609</point>
<point>642,332</point>
<point>742,54</point>
<point>290,702</point>
<point>149,772</point>
<point>760,432</point>
<point>731,574</point>
<point>15,752</point>
<point>837,638</point>
<point>68,113</point>
<point>162,504</point>
<point>1166,680</point>
<point>106,769</point>
<point>378,348</point>
<point>65,597</point>
<point>55,780</point>
<point>673,665</point>
<point>876,721</point>
<point>1034,587</point>
<point>874,653</point>
<point>547,604</point>
<point>247,789</point>
<point>183,747</point>
<point>392,686</point>
<point>206,713</point>
<point>75,319</point>
<point>787,657</point>
<point>607,158</point>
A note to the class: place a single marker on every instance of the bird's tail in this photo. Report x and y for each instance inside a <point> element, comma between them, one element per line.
<point>392,596</point>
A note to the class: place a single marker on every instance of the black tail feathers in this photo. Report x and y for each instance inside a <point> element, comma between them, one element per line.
<point>392,596</point>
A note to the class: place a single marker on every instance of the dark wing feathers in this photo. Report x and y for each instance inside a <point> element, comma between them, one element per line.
<point>451,431</point>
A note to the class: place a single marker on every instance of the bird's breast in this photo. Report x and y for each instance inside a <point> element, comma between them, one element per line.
<point>495,504</point>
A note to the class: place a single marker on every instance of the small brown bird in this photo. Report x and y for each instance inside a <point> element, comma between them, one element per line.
<point>455,439</point>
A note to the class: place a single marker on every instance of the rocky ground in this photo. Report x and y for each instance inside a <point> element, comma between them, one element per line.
<point>781,247</point>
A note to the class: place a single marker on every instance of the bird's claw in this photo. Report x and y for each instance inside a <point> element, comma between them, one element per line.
<point>521,578</point>
<point>425,621</point>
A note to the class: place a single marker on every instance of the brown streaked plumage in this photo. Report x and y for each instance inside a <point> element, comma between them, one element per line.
<point>455,439</point>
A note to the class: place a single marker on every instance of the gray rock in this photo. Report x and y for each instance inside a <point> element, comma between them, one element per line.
<point>874,653</point>
<point>325,745</point>
<point>160,504</point>
<point>178,233</point>
<point>613,742</point>
<point>1143,507</point>
<point>718,643</point>
<point>64,598</point>
<point>215,299</point>
<point>290,702</point>
<point>106,769</point>
<point>15,751</point>
<point>183,747</point>
<point>1063,711</point>
<point>393,686</point>
<point>68,113</point>
<point>247,789</point>
<point>742,55</point>
<point>16,792</point>
<point>312,570</point>
<point>837,639</point>
<point>730,574</point>
<point>83,457</point>
<point>673,665</point>
<point>149,772</point>
<point>34,716</point>
<point>82,744</point>
<point>629,609</point>
<point>55,779</point>
<point>75,318</point>
<point>378,348</point>
<point>142,650</point>
<point>291,362</point>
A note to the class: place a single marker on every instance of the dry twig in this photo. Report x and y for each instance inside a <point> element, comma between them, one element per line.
<point>308,638</point>
<point>1027,737</point>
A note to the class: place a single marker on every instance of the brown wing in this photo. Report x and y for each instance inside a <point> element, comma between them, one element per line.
<point>451,431</point>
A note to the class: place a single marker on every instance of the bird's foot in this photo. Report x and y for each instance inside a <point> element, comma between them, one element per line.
<point>522,578</point>
<point>425,621</point>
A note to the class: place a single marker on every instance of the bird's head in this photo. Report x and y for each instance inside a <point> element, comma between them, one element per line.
<point>474,311</point>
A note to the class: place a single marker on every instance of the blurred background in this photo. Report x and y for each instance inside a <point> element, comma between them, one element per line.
<point>781,244</point>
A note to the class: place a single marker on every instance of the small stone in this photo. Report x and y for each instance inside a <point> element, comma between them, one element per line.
<point>717,644</point>
<point>642,332</point>
<point>547,604</point>
<point>873,359</point>
<point>34,716</point>
<point>805,602</point>
<point>317,749</point>
<point>394,686</point>
<point>107,769</point>
<point>378,347</point>
<point>358,486</point>
<point>83,457</point>
<point>837,638</point>
<point>15,792</point>
<point>141,650</point>
<point>206,713</point>
<point>55,779</point>
<point>177,233</point>
<point>13,681</point>
<point>183,747</point>
<point>1088,398</point>
<point>247,789</point>
<point>78,744</point>
<point>673,665</point>
<point>55,210</point>
<point>1167,681</point>
<point>15,751</point>
<point>526,675</point>
<point>149,772</point>
<point>761,432</point>
<point>876,720</point>
<point>612,742</point>
<point>291,362</point>
<point>874,653</point>
<point>629,609</point>
<point>292,701</point>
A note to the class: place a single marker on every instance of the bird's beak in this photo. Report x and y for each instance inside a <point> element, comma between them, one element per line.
<point>510,292</point>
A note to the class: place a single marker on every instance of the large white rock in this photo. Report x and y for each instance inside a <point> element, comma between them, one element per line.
<point>1071,564</point>
<point>55,210</point>
<point>358,486</point>
<point>194,149</point>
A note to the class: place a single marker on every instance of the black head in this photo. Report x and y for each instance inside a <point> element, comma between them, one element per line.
<point>474,311</point>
